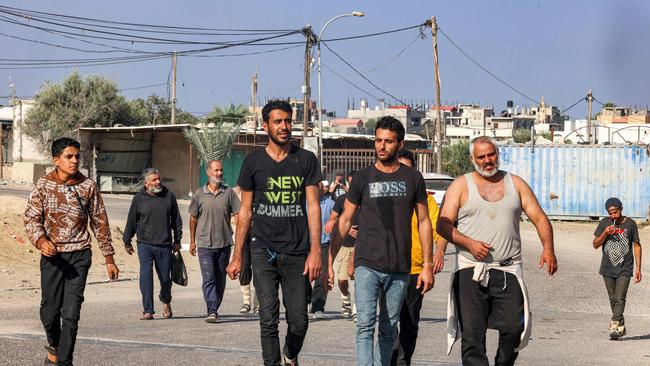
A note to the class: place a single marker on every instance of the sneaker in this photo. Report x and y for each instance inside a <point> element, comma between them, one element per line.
<point>346,309</point>
<point>212,318</point>
<point>286,361</point>
<point>246,308</point>
<point>317,315</point>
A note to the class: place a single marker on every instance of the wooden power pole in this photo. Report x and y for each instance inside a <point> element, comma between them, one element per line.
<point>306,87</point>
<point>439,124</point>
<point>174,88</point>
<point>590,101</point>
<point>254,104</point>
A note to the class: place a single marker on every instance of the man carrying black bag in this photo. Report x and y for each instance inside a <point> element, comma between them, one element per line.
<point>153,217</point>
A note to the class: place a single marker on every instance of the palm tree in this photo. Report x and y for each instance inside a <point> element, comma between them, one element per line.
<point>230,113</point>
<point>214,142</point>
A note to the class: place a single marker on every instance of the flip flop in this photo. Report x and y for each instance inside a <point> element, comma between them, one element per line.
<point>146,316</point>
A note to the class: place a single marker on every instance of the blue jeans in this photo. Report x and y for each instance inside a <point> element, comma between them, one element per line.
<point>270,271</point>
<point>160,257</point>
<point>370,287</point>
<point>213,264</point>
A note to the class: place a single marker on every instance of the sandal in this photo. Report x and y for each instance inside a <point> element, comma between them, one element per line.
<point>51,353</point>
<point>246,308</point>
<point>146,316</point>
<point>167,311</point>
<point>346,309</point>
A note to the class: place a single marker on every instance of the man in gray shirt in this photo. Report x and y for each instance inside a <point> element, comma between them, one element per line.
<point>210,211</point>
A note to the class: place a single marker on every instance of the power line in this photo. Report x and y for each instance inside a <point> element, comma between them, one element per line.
<point>349,82</point>
<point>139,24</point>
<point>485,69</point>
<point>396,56</point>
<point>573,105</point>
<point>125,37</point>
<point>362,75</point>
<point>142,87</point>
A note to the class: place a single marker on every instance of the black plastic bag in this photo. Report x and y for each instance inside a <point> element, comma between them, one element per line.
<point>179,273</point>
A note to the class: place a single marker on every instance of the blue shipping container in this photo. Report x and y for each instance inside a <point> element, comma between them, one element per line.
<point>572,181</point>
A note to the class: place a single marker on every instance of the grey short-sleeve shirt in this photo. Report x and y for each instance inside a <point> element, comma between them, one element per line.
<point>213,212</point>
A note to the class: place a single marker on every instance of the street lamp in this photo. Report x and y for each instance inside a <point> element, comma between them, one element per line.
<point>320,96</point>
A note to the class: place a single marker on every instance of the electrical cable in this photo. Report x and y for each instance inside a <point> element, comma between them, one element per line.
<point>139,24</point>
<point>485,69</point>
<point>361,74</point>
<point>396,56</point>
<point>142,87</point>
<point>349,82</point>
<point>572,105</point>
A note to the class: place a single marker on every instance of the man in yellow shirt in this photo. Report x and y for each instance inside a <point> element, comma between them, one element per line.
<point>410,313</point>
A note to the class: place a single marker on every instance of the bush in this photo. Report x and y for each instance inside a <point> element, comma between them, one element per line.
<point>521,135</point>
<point>456,160</point>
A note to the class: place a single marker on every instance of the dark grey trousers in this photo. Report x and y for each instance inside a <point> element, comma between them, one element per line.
<point>617,292</point>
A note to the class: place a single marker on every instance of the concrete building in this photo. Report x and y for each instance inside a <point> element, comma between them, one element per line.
<point>411,118</point>
<point>627,115</point>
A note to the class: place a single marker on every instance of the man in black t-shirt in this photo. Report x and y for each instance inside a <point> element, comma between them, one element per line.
<point>386,193</point>
<point>279,194</point>
<point>619,238</point>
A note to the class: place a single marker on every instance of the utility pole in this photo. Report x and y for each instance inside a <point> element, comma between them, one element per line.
<point>174,88</point>
<point>434,33</point>
<point>590,100</point>
<point>254,104</point>
<point>306,88</point>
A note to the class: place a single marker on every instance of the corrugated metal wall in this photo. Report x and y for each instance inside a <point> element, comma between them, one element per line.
<point>573,181</point>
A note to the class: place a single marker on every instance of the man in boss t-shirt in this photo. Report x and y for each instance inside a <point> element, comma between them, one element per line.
<point>387,193</point>
<point>279,195</point>
<point>619,238</point>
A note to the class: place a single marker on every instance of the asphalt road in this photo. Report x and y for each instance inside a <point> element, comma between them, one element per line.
<point>570,318</point>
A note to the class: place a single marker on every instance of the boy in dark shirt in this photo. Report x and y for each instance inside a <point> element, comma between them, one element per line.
<point>619,238</point>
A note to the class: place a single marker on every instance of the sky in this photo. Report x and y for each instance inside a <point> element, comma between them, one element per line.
<point>555,49</point>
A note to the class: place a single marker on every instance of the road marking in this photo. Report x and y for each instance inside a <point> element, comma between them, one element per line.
<point>190,347</point>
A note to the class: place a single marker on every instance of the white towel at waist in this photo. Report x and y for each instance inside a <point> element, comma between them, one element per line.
<point>482,275</point>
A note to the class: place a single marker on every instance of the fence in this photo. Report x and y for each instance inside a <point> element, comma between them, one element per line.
<point>348,160</point>
<point>573,181</point>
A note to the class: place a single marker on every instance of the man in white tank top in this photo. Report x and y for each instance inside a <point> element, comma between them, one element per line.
<point>480,215</point>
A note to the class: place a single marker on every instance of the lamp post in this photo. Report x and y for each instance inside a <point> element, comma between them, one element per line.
<point>320,95</point>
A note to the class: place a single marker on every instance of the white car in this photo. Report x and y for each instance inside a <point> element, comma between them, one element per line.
<point>437,185</point>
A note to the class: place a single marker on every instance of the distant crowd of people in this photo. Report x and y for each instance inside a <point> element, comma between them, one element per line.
<point>297,232</point>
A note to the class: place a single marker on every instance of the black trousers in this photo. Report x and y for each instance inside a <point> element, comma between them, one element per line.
<point>246,273</point>
<point>319,292</point>
<point>499,306</point>
<point>271,270</point>
<point>407,331</point>
<point>63,281</point>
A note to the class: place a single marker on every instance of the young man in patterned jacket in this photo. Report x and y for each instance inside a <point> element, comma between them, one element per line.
<point>56,221</point>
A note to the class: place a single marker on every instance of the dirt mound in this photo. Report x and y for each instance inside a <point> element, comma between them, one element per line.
<point>19,260</point>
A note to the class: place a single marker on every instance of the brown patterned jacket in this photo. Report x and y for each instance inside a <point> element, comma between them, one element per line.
<point>59,212</point>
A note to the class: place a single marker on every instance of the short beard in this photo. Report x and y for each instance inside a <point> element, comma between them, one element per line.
<point>277,141</point>
<point>485,174</point>
<point>215,181</point>
<point>389,159</point>
<point>154,189</point>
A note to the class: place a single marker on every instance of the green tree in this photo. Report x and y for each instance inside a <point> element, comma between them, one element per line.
<point>521,135</point>
<point>155,110</point>
<point>456,160</point>
<point>229,113</point>
<point>61,108</point>
<point>370,124</point>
